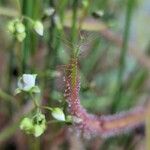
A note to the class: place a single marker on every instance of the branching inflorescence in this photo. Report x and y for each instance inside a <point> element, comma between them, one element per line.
<point>105,125</point>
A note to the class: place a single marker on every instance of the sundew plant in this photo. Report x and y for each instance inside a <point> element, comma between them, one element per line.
<point>74,74</point>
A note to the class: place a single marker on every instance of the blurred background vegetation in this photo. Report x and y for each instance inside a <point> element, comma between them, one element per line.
<point>113,37</point>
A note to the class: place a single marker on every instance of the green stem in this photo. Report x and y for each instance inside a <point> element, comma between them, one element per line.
<point>35,144</point>
<point>11,66</point>
<point>118,94</point>
<point>74,25</point>
<point>28,18</point>
<point>46,107</point>
<point>18,5</point>
<point>26,47</point>
<point>53,44</point>
<point>34,100</point>
<point>61,9</point>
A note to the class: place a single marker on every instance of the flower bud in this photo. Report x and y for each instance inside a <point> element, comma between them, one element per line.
<point>26,125</point>
<point>20,28</point>
<point>38,27</point>
<point>58,114</point>
<point>38,130</point>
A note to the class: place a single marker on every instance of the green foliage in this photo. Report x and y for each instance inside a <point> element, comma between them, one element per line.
<point>43,35</point>
<point>35,126</point>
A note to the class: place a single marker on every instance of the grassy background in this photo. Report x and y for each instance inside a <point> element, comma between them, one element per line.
<point>114,65</point>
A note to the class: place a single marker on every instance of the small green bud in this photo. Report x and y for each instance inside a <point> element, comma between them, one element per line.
<point>38,27</point>
<point>17,28</point>
<point>40,119</point>
<point>20,28</point>
<point>38,130</point>
<point>11,27</point>
<point>99,13</point>
<point>21,36</point>
<point>85,3</point>
<point>26,125</point>
<point>35,126</point>
<point>69,119</point>
<point>39,124</point>
<point>58,114</point>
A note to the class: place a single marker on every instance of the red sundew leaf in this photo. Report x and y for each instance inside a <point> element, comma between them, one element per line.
<point>104,126</point>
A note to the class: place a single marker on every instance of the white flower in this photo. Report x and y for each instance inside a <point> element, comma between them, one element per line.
<point>27,83</point>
